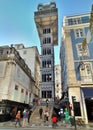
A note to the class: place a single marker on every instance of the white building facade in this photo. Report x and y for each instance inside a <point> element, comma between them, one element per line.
<point>16,81</point>
<point>58,84</point>
<point>31,57</point>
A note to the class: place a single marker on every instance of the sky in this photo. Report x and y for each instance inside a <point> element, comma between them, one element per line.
<point>17,23</point>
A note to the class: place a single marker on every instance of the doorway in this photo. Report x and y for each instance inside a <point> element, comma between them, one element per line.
<point>89,107</point>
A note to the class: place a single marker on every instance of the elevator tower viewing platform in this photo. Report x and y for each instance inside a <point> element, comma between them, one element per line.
<point>47,15</point>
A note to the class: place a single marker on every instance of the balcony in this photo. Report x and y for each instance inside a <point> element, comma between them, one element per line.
<point>86,79</point>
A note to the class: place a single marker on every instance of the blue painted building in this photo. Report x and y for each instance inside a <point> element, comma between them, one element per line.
<point>76,55</point>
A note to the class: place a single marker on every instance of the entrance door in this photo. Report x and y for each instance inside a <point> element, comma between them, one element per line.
<point>88,95</point>
<point>89,106</point>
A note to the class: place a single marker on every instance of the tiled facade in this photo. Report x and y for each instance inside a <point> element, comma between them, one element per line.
<point>77,63</point>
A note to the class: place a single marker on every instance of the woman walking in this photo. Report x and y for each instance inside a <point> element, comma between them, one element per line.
<point>18,117</point>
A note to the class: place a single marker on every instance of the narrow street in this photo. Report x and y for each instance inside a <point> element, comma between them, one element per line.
<point>10,126</point>
<point>45,128</point>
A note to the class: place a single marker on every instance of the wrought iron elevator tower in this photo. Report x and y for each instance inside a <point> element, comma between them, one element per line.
<point>46,19</point>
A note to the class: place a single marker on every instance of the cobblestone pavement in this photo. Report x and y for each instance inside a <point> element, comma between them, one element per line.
<point>11,124</point>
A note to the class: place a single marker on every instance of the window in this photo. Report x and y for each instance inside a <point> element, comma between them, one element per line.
<point>26,92</point>
<point>88,69</point>
<point>79,33</point>
<point>81,52</point>
<point>46,30</point>
<point>46,77</point>
<point>46,94</point>
<point>1,52</point>
<point>86,73</point>
<point>43,94</point>
<point>49,94</point>
<point>49,63</point>
<point>16,87</point>
<point>80,47</point>
<point>76,20</point>
<point>46,51</point>
<point>46,64</point>
<point>57,85</point>
<point>22,90</point>
<point>47,40</point>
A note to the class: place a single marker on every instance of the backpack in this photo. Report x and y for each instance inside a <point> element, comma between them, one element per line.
<point>18,116</point>
<point>54,119</point>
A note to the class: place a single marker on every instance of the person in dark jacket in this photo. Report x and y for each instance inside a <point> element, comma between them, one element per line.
<point>47,102</point>
<point>40,112</point>
<point>29,114</point>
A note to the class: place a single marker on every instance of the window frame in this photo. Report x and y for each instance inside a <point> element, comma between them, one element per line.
<point>47,40</point>
<point>79,33</point>
<point>82,52</point>
<point>85,76</point>
<point>76,21</point>
<point>46,30</point>
<point>16,87</point>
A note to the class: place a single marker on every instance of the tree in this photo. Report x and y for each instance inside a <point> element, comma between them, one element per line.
<point>91,21</point>
<point>84,48</point>
<point>84,43</point>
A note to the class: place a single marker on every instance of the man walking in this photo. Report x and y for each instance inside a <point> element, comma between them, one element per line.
<point>40,112</point>
<point>25,116</point>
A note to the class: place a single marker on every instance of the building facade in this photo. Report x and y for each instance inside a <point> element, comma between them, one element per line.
<point>77,64</point>
<point>31,57</point>
<point>58,86</point>
<point>16,81</point>
<point>46,19</point>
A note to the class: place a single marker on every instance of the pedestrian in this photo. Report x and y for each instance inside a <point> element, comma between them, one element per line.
<point>18,118</point>
<point>61,114</point>
<point>33,101</point>
<point>54,120</point>
<point>13,115</point>
<point>67,117</point>
<point>25,115</point>
<point>47,102</point>
<point>47,115</point>
<point>44,116</point>
<point>29,114</point>
<point>36,100</point>
<point>40,112</point>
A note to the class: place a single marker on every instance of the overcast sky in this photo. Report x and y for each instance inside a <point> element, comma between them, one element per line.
<point>17,20</point>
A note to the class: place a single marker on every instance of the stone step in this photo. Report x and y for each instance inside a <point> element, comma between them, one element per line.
<point>35,115</point>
